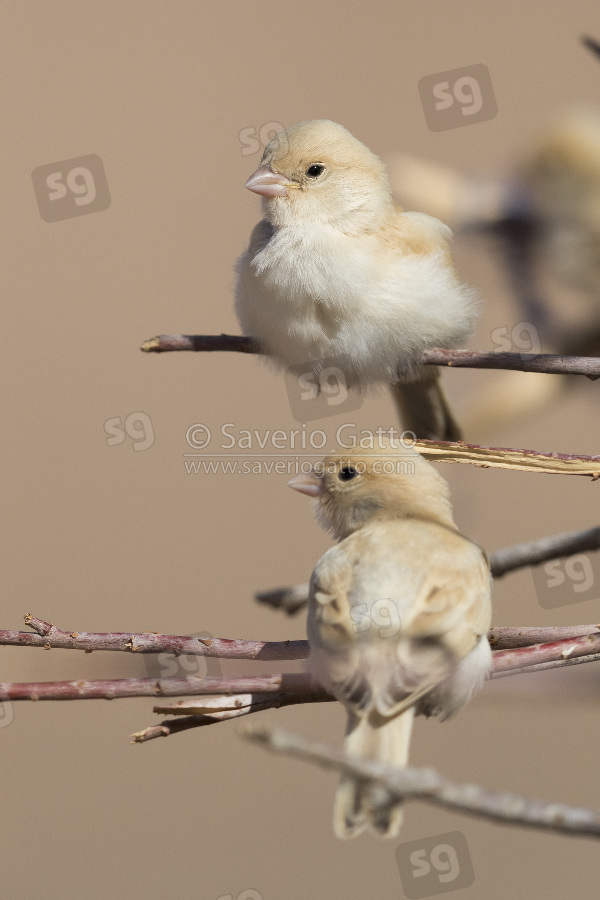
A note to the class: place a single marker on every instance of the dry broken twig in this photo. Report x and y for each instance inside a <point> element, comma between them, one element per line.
<point>510,458</point>
<point>426,784</point>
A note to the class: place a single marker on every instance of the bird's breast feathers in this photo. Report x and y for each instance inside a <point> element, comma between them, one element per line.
<point>310,293</point>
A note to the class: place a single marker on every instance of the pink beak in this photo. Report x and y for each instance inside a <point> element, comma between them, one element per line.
<point>268,183</point>
<point>309,484</point>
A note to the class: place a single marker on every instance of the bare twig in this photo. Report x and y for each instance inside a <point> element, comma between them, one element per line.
<point>209,710</point>
<point>289,600</point>
<point>531,553</point>
<point>283,684</point>
<point>49,637</point>
<point>591,44</point>
<point>500,638</point>
<point>551,664</point>
<point>510,637</point>
<point>165,729</point>
<point>200,343</point>
<point>470,359</point>
<point>520,657</point>
<point>111,689</point>
<point>292,599</point>
<point>428,785</point>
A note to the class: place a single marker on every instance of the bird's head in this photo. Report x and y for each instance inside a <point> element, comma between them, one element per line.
<point>317,173</point>
<point>356,486</point>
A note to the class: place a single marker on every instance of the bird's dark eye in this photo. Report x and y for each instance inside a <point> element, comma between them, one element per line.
<point>315,170</point>
<point>347,473</point>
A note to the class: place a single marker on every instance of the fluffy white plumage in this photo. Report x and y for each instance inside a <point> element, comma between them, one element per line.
<point>334,269</point>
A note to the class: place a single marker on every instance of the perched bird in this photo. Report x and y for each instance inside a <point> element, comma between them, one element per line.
<point>398,611</point>
<point>542,219</point>
<point>334,271</point>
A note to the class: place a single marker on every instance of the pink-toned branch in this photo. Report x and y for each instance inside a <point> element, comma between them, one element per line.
<point>49,637</point>
<point>113,688</point>
<point>504,661</point>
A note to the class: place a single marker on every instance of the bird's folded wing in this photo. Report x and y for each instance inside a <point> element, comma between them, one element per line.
<point>447,617</point>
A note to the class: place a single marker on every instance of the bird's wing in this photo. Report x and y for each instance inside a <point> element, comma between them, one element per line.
<point>442,589</point>
<point>261,235</point>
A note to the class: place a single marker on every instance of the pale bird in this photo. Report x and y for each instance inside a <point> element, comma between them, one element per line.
<point>336,272</point>
<point>398,611</point>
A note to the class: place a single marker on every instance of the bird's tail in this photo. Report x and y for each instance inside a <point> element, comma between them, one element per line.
<point>358,805</point>
<point>424,409</point>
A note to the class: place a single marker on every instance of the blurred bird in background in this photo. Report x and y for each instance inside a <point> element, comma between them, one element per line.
<point>544,221</point>
<point>336,274</point>
<point>398,611</point>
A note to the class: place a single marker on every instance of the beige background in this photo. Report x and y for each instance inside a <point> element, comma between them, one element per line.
<point>102,537</point>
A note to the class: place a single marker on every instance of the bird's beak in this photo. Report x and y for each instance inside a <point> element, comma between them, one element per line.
<point>269,183</point>
<point>308,483</point>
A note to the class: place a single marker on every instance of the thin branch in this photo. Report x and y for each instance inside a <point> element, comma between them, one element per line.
<point>591,44</point>
<point>49,637</point>
<point>471,359</point>
<point>520,657</point>
<point>209,710</point>
<point>287,683</point>
<point>312,696</point>
<point>551,664</point>
<point>510,637</point>
<point>428,785</point>
<point>111,689</point>
<point>200,343</point>
<point>530,553</point>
